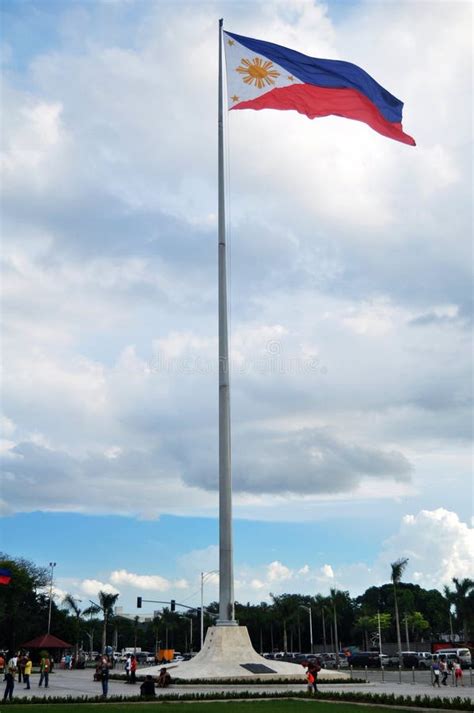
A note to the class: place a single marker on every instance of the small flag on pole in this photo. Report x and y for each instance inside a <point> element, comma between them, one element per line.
<point>5,576</point>
<point>262,75</point>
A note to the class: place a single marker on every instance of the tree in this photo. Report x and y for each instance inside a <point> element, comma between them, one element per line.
<point>364,624</point>
<point>462,596</point>
<point>410,597</point>
<point>398,568</point>
<point>285,607</point>
<point>71,604</point>
<point>339,600</point>
<point>322,605</point>
<point>417,623</point>
<point>106,607</point>
<point>23,609</point>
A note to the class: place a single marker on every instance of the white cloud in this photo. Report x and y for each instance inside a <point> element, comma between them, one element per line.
<point>91,587</point>
<point>349,282</point>
<point>439,546</point>
<point>141,581</point>
<point>327,571</point>
<point>278,572</point>
<point>146,581</point>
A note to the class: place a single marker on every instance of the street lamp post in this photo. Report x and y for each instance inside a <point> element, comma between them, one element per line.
<point>52,565</point>
<point>190,618</point>
<point>380,632</point>
<point>203,577</point>
<point>308,609</point>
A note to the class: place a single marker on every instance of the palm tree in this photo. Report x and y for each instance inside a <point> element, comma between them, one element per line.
<point>72,605</point>
<point>462,598</point>
<point>106,607</point>
<point>337,598</point>
<point>398,568</point>
<point>285,608</point>
<point>365,623</point>
<point>322,604</point>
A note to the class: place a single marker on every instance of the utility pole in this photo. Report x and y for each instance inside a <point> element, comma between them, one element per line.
<point>52,565</point>
<point>308,609</point>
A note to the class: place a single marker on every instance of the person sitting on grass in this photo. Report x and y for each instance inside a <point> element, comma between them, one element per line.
<point>164,679</point>
<point>147,689</point>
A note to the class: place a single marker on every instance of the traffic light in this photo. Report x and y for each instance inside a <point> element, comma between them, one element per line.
<point>173,605</point>
<point>139,602</point>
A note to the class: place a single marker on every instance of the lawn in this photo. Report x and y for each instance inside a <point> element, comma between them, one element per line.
<point>274,706</point>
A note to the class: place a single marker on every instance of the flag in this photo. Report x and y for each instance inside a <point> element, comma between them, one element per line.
<point>262,75</point>
<point>5,576</point>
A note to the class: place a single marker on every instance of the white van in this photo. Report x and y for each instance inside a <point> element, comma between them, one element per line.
<point>462,654</point>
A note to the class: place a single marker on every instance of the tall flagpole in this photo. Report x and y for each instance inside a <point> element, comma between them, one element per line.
<point>226,569</point>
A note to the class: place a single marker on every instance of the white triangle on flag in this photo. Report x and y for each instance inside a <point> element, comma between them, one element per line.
<point>249,74</point>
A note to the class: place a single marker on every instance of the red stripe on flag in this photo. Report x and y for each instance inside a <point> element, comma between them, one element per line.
<point>4,579</point>
<point>320,101</point>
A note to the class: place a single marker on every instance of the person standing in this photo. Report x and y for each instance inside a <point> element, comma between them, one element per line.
<point>128,665</point>
<point>443,669</point>
<point>458,674</point>
<point>435,670</point>
<point>133,669</point>
<point>20,665</point>
<point>10,679</point>
<point>27,672</point>
<point>103,670</point>
<point>45,667</point>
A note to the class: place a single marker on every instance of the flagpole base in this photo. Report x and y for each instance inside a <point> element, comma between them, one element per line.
<point>228,654</point>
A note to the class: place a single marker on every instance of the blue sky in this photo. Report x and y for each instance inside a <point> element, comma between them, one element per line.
<point>350,302</point>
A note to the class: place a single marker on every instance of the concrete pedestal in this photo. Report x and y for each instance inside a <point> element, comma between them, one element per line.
<point>228,653</point>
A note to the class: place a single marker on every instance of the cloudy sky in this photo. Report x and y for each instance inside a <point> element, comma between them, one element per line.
<point>350,309</point>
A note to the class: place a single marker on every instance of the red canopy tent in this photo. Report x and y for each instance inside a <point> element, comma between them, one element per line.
<point>47,641</point>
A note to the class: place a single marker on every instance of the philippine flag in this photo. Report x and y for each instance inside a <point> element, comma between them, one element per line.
<point>5,576</point>
<point>262,75</point>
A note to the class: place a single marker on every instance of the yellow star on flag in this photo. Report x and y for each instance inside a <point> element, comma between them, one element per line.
<point>235,98</point>
<point>231,42</point>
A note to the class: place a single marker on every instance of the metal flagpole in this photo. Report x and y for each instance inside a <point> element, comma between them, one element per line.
<point>226,573</point>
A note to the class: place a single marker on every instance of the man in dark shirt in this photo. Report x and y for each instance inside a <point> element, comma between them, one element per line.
<point>148,687</point>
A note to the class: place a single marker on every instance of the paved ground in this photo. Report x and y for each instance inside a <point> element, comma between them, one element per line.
<point>80,683</point>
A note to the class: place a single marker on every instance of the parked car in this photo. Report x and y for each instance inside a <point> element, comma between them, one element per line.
<point>384,658</point>
<point>410,659</point>
<point>328,660</point>
<point>360,659</point>
<point>425,659</point>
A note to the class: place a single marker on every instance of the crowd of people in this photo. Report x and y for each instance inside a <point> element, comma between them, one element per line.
<point>441,670</point>
<point>17,668</point>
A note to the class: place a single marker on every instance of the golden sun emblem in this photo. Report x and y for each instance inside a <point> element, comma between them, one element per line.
<point>258,72</point>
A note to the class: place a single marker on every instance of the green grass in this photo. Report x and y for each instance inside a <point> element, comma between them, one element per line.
<point>274,706</point>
